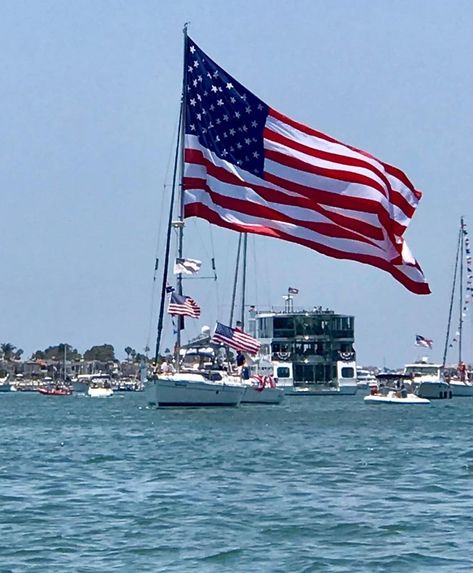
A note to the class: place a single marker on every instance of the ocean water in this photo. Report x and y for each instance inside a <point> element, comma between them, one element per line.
<point>316,484</point>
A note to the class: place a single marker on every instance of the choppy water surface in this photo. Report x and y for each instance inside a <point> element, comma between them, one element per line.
<point>316,484</point>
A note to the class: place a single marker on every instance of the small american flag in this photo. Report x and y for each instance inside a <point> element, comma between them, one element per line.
<point>183,306</point>
<point>235,338</point>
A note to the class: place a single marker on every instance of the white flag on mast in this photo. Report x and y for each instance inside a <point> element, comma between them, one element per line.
<point>187,266</point>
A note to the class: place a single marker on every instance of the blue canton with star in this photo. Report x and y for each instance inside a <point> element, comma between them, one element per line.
<point>227,118</point>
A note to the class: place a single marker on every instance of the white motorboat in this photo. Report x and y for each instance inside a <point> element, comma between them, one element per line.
<point>184,389</point>
<point>96,391</point>
<point>427,380</point>
<point>394,397</point>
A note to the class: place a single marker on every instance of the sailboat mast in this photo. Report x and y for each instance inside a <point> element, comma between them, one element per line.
<point>180,214</point>
<point>460,298</point>
<point>243,281</point>
<point>167,248</point>
<point>452,295</point>
<point>235,281</point>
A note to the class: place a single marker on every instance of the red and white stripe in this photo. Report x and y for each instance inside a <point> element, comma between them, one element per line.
<point>315,191</point>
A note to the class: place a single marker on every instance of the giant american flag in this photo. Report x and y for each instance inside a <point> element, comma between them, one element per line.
<point>249,168</point>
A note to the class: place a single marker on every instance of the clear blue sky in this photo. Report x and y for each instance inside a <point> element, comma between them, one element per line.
<point>90,95</point>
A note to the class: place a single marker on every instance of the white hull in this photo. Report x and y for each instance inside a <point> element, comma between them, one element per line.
<point>192,390</point>
<point>461,389</point>
<point>99,392</point>
<point>433,390</point>
<point>321,390</point>
<point>252,395</point>
<point>392,398</point>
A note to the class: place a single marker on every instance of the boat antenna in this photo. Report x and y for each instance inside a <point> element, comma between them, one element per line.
<point>452,296</point>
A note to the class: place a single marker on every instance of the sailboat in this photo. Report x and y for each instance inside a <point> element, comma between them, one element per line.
<point>174,385</point>
<point>58,389</point>
<point>260,387</point>
<point>458,379</point>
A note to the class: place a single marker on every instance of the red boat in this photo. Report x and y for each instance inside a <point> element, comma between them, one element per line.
<point>56,391</point>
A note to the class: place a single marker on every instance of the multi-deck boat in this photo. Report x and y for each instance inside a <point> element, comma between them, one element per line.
<point>310,353</point>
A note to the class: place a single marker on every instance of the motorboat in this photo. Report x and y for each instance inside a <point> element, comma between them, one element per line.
<point>99,389</point>
<point>193,389</point>
<point>427,380</point>
<point>394,388</point>
<point>394,397</point>
<point>55,391</point>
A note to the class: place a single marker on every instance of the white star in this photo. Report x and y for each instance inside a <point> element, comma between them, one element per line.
<point>237,114</point>
<point>217,138</point>
<point>196,64</point>
<point>255,154</point>
<point>244,128</point>
<point>194,83</point>
<point>190,69</point>
<point>260,107</point>
<point>232,99</point>
<point>198,97</point>
<point>212,107</point>
<point>192,101</point>
<point>231,131</point>
<point>229,86</point>
<point>254,124</point>
<point>199,78</point>
<point>225,117</point>
<point>218,121</point>
<point>192,126</point>
<point>248,109</point>
<point>215,74</point>
<point>192,49</point>
<point>239,145</point>
<point>224,152</point>
<point>247,141</point>
<point>243,97</point>
<point>199,116</point>
<point>214,89</point>
<point>220,102</point>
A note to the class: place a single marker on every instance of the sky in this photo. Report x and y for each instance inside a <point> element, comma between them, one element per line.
<point>90,98</point>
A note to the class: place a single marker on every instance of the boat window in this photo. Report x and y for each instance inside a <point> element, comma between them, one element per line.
<point>348,372</point>
<point>283,326</point>
<point>283,372</point>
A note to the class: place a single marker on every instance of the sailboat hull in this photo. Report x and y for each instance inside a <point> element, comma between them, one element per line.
<point>192,391</point>
<point>461,389</point>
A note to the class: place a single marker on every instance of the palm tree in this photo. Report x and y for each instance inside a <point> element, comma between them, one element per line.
<point>128,351</point>
<point>8,350</point>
